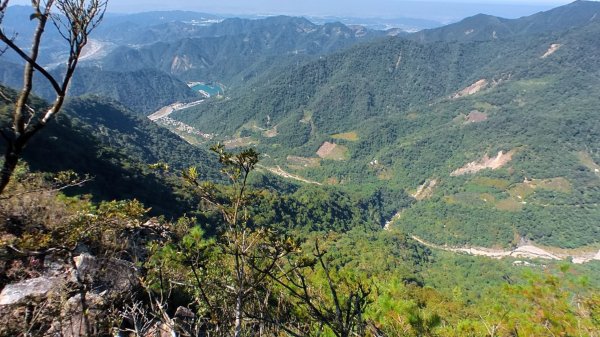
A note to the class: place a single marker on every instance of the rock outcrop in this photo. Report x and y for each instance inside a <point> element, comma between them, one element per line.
<point>35,289</point>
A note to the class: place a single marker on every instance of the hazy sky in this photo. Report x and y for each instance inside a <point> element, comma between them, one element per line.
<point>431,9</point>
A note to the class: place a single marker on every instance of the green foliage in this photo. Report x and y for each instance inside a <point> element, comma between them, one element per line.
<point>396,94</point>
<point>545,305</point>
<point>248,262</point>
<point>38,220</point>
<point>107,142</point>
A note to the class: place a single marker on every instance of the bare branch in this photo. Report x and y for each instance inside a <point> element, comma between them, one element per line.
<point>10,43</point>
<point>3,6</point>
<point>77,183</point>
<point>42,17</point>
<point>5,98</point>
<point>78,19</point>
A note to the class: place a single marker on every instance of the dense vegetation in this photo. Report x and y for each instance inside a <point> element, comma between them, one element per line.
<point>143,91</point>
<point>204,52</point>
<point>115,148</point>
<point>199,243</point>
<point>414,128</point>
<point>391,284</point>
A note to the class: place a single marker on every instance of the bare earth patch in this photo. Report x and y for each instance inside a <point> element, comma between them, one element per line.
<point>163,112</point>
<point>304,162</point>
<point>181,63</point>
<point>333,151</point>
<point>280,172</point>
<point>270,133</point>
<point>425,191</point>
<point>485,163</point>
<point>476,117</point>
<point>389,223</point>
<point>553,48</point>
<point>472,89</point>
<point>169,109</point>
<point>95,49</point>
<point>587,161</point>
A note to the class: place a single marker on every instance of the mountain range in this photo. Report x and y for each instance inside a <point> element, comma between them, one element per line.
<point>364,182</point>
<point>488,118</point>
<point>515,112</point>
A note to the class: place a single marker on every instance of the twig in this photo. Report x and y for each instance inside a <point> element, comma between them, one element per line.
<point>58,189</point>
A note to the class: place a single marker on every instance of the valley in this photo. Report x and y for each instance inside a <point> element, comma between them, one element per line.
<point>524,251</point>
<point>167,110</point>
<point>274,175</point>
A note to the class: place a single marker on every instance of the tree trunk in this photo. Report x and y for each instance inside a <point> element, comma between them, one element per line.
<point>11,159</point>
<point>238,316</point>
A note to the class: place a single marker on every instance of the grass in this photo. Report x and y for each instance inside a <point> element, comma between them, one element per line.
<point>484,106</point>
<point>524,190</point>
<point>559,184</point>
<point>587,161</point>
<point>510,205</point>
<point>484,189</point>
<point>270,133</point>
<point>500,184</point>
<point>307,118</point>
<point>340,152</point>
<point>534,83</point>
<point>521,191</point>
<point>239,142</point>
<point>412,116</point>
<point>349,136</point>
<point>303,162</point>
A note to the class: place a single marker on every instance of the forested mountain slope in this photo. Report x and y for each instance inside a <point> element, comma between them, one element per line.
<point>233,50</point>
<point>146,70</point>
<point>103,139</point>
<point>347,195</point>
<point>523,111</point>
<point>143,91</point>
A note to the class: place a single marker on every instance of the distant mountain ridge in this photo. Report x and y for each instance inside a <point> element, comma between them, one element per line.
<point>145,66</point>
<point>142,90</point>
<point>487,27</point>
<point>234,49</point>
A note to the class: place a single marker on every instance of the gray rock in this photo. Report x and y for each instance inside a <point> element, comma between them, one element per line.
<point>112,275</point>
<point>71,321</point>
<point>32,289</point>
<point>161,330</point>
<point>184,313</point>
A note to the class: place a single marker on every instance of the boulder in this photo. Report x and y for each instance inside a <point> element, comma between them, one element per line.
<point>72,321</point>
<point>108,282</point>
<point>160,330</point>
<point>32,289</point>
<point>115,276</point>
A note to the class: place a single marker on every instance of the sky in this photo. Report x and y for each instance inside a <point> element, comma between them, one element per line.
<point>439,10</point>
